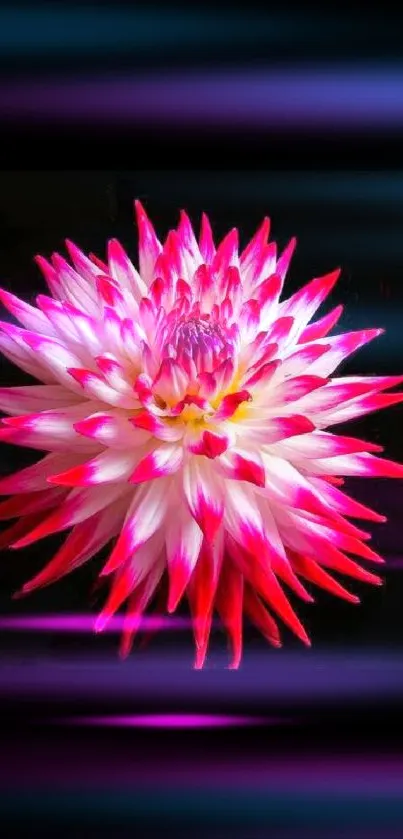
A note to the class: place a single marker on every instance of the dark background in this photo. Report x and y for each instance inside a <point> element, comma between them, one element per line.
<point>293,113</point>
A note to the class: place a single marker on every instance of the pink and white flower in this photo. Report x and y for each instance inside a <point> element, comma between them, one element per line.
<point>184,410</point>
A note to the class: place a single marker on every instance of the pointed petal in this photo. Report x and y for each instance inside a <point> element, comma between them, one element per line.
<point>165,460</point>
<point>109,292</point>
<point>229,603</point>
<point>305,302</point>
<point>149,246</point>
<point>288,487</point>
<point>242,518</point>
<point>95,387</point>
<point>302,359</point>
<point>29,316</point>
<point>209,443</point>
<point>167,429</point>
<point>145,516</point>
<point>262,377</point>
<point>240,465</point>
<point>84,541</point>
<point>253,249</point>
<point>227,253</point>
<point>269,588</point>
<point>295,389</point>
<point>204,494</point>
<point>322,444</point>
<point>361,464</point>
<point>19,530</point>
<point>341,347</point>
<point>123,272</point>
<point>277,429</point>
<point>55,357</point>
<point>19,353</point>
<point>52,430</point>
<point>206,243</point>
<point>258,614</point>
<point>359,407</point>
<point>108,467</point>
<point>256,271</point>
<point>29,503</point>
<point>310,569</point>
<point>73,287</point>
<point>33,398</point>
<point>343,504</point>
<point>171,382</point>
<point>332,558</point>
<point>88,268</point>
<point>201,593</point>
<point>328,396</point>
<point>112,429</point>
<point>137,603</point>
<point>320,328</point>
<point>50,275</point>
<point>183,543</point>
<point>139,578</point>
<point>283,262</point>
<point>35,477</point>
<point>79,505</point>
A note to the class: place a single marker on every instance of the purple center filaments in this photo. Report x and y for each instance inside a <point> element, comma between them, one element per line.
<point>203,341</point>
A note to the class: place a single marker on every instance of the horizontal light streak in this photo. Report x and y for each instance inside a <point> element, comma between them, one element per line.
<point>347,98</point>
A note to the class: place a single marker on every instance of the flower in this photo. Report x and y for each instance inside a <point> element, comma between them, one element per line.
<point>183,410</point>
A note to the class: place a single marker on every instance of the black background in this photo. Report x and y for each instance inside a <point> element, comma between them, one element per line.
<point>341,193</point>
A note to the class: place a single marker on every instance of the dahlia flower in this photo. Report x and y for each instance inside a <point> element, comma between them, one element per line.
<point>183,408</point>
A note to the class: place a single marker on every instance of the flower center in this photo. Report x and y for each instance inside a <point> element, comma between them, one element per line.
<point>196,336</point>
<point>206,343</point>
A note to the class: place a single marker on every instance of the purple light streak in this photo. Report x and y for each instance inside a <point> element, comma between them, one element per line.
<point>79,769</point>
<point>350,98</point>
<point>86,623</point>
<point>169,721</point>
<point>267,676</point>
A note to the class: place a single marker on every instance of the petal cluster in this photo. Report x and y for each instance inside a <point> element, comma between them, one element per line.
<point>184,410</point>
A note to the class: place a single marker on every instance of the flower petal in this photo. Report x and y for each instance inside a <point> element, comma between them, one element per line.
<point>243,466</point>
<point>145,516</point>
<point>229,603</point>
<point>208,443</point>
<point>112,429</point>
<point>149,246</point>
<point>183,543</point>
<point>204,493</point>
<point>138,575</point>
<point>108,467</point>
<point>30,399</point>
<point>84,541</point>
<point>201,591</point>
<point>79,505</point>
<point>206,243</point>
<point>321,328</point>
<point>29,316</point>
<point>123,272</point>
<point>35,477</point>
<point>165,460</point>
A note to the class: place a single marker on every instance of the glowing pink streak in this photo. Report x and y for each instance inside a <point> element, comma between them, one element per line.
<point>85,623</point>
<point>170,721</point>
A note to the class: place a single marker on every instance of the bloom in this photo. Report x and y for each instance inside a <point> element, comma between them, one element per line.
<point>183,410</point>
